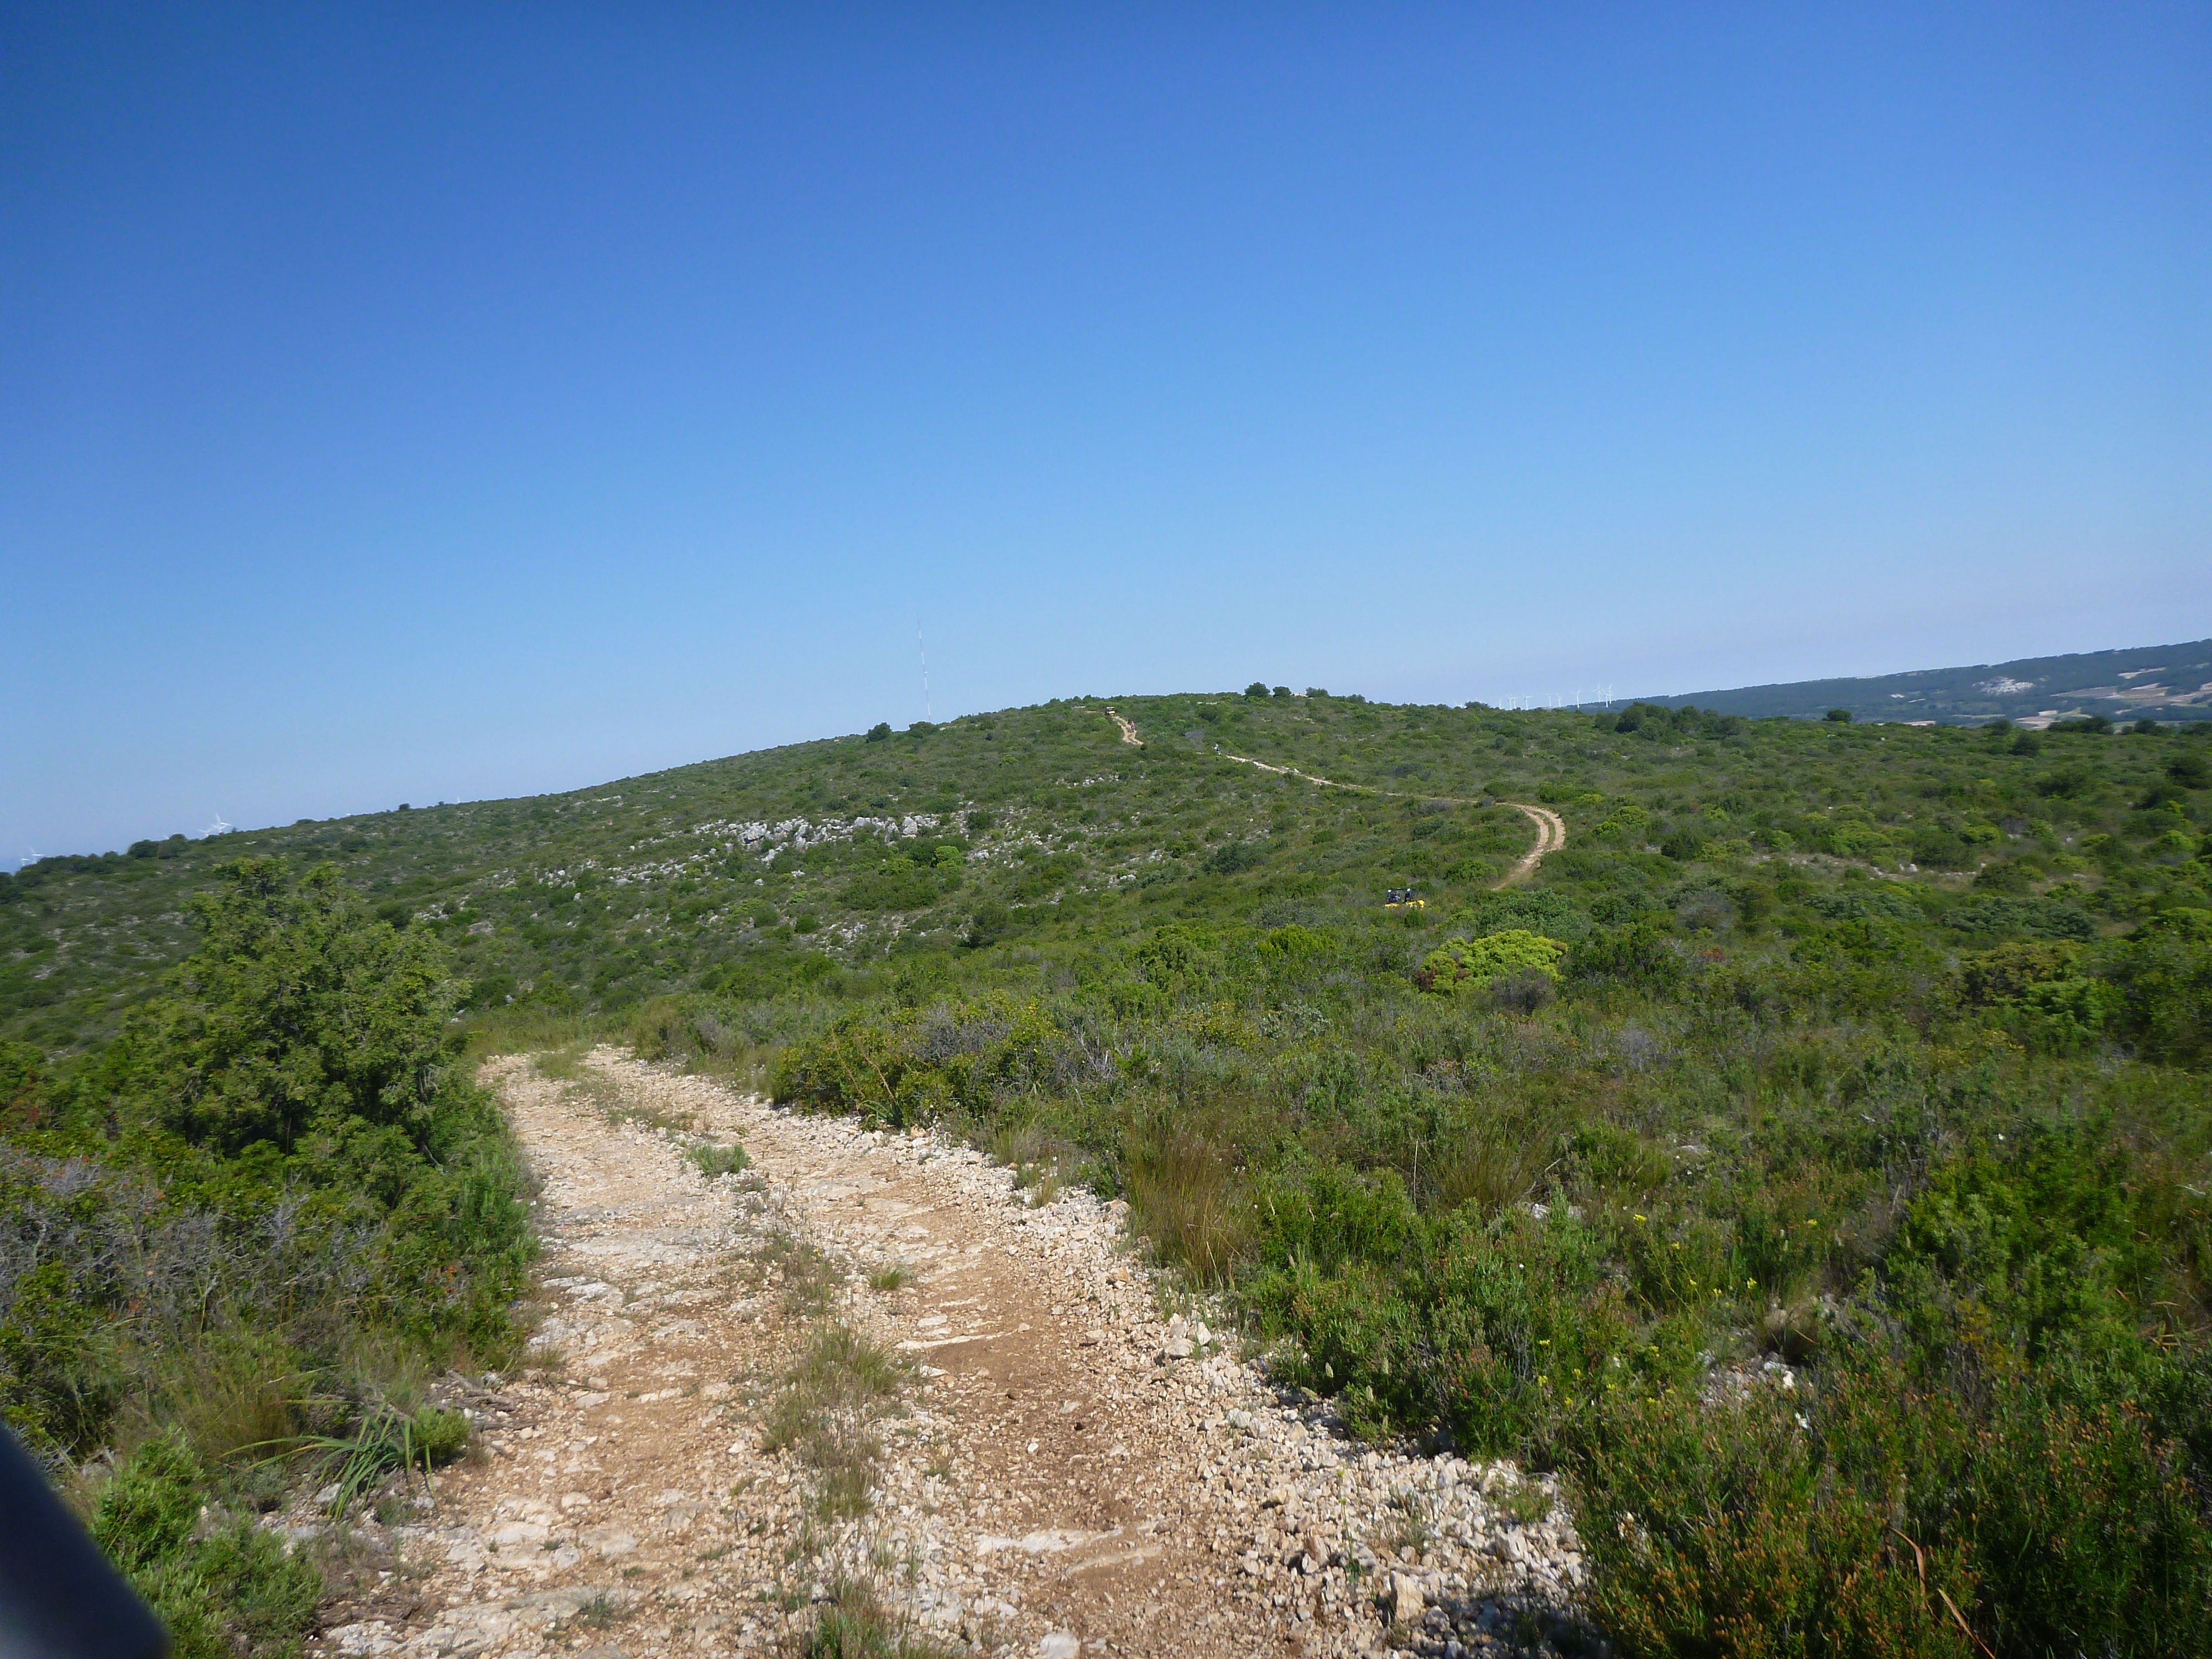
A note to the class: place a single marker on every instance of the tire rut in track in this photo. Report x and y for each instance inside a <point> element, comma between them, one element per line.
<point>1068,1465</point>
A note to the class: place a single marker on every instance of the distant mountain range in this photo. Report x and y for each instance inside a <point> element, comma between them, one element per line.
<point>2154,682</point>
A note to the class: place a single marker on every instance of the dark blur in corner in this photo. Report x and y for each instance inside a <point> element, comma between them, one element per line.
<point>59,1597</point>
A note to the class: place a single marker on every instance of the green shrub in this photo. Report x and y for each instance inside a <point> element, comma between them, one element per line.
<point>1462,965</point>
<point>1627,822</point>
<point>232,1591</point>
<point>276,1167</point>
<point>897,884</point>
<point>989,923</point>
<point>1709,1531</point>
<point>441,1436</point>
<point>1640,954</point>
<point>1856,1517</point>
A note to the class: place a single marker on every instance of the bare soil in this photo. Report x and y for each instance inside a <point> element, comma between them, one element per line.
<point>1073,1465</point>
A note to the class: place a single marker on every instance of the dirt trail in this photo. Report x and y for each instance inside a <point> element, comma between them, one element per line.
<point>1551,835</point>
<point>1551,829</point>
<point>1069,1471</point>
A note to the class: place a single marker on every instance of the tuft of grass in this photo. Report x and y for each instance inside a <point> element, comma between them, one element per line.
<point>386,1441</point>
<point>624,1110</point>
<point>568,1065</point>
<point>1523,1502</point>
<point>1038,1159</point>
<point>236,1389</point>
<point>1494,1163</point>
<point>827,1408</point>
<point>808,1278</point>
<point>601,1612</point>
<point>891,1276</point>
<point>564,1064</point>
<point>712,1160</point>
<point>1415,1528</point>
<point>524,1028</point>
<point>853,1623</point>
<point>1184,1190</point>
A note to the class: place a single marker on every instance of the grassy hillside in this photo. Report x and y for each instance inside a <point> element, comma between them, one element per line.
<point>2151,681</point>
<point>797,859</point>
<point>1810,1160</point>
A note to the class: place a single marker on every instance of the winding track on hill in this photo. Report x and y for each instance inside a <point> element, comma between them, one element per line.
<point>1551,835</point>
<point>1551,829</point>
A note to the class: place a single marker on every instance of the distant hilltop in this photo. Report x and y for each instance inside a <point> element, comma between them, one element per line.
<point>2151,681</point>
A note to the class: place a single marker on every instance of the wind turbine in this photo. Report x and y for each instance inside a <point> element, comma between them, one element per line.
<point>219,826</point>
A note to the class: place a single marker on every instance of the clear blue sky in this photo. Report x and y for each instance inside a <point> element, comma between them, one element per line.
<point>428,403</point>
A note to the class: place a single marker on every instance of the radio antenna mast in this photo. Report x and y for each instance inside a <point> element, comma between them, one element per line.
<point>927,714</point>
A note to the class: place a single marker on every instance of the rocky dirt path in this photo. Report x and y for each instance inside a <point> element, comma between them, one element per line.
<point>1066,1465</point>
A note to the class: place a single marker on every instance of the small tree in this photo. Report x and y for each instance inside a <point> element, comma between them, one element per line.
<point>301,1011</point>
<point>1840,716</point>
<point>880,732</point>
<point>1257,691</point>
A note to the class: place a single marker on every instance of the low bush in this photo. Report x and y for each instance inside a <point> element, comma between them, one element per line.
<point>225,1592</point>
<point>1463,965</point>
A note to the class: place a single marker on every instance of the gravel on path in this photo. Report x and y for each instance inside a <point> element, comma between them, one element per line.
<point>1075,1466</point>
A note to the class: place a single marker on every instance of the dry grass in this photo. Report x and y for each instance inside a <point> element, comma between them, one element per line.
<point>853,1623</point>
<point>1186,1191</point>
<point>525,1029</point>
<point>827,1409</point>
<point>232,1391</point>
<point>807,1278</point>
<point>1494,1165</point>
<point>563,1063</point>
<point>1415,1527</point>
<point>570,1065</point>
<point>1041,1161</point>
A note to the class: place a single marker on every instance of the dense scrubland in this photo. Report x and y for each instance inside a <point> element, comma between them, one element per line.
<point>1811,1161</point>
<point>237,1239</point>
